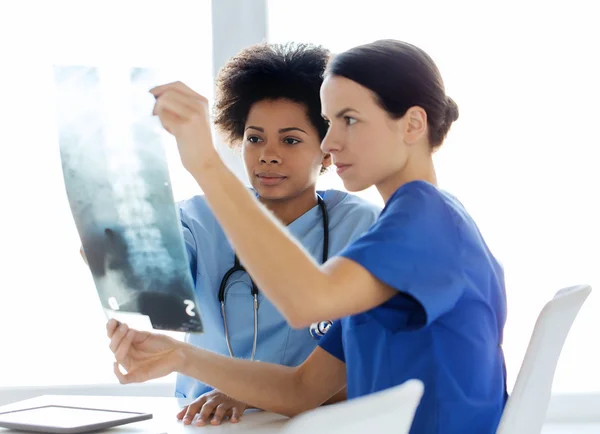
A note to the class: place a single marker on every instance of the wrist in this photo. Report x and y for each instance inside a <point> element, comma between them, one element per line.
<point>181,357</point>
<point>186,357</point>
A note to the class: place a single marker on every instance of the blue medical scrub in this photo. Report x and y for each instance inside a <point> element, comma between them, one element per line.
<point>444,326</point>
<point>211,256</point>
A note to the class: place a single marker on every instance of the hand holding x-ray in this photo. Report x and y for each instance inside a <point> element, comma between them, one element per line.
<point>144,355</point>
<point>185,114</point>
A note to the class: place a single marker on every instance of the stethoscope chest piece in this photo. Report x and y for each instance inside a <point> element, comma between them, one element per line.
<point>318,329</point>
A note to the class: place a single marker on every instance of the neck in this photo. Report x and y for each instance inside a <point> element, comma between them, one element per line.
<point>289,209</point>
<point>419,168</point>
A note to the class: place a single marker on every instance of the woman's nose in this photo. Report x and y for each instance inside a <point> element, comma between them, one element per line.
<point>269,154</point>
<point>330,143</point>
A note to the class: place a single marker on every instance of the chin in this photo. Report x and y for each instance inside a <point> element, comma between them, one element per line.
<point>355,185</point>
<point>270,193</point>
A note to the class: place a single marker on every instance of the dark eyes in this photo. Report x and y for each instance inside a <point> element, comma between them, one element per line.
<point>287,140</point>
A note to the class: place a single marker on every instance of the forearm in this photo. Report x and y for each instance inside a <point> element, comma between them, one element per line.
<point>263,245</point>
<point>267,386</point>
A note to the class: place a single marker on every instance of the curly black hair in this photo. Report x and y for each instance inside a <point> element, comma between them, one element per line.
<point>267,72</point>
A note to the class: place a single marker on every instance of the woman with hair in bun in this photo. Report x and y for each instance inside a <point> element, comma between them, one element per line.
<point>419,295</point>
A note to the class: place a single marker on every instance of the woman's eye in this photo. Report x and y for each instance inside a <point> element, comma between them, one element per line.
<point>349,120</point>
<point>253,139</point>
<point>291,141</point>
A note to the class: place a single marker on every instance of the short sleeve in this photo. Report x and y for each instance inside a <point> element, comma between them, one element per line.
<point>414,248</point>
<point>190,246</point>
<point>332,341</point>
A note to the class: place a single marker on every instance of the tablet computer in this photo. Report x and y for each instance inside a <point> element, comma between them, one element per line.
<point>118,186</point>
<point>64,419</point>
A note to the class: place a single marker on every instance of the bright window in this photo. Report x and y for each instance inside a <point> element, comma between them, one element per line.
<point>51,321</point>
<point>522,157</point>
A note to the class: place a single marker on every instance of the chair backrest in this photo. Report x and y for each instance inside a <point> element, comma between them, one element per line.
<point>389,411</point>
<point>526,408</point>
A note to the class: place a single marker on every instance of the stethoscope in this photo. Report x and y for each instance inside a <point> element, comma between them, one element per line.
<point>316,330</point>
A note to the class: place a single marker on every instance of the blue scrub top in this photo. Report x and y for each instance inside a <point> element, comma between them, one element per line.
<point>211,256</point>
<point>445,325</point>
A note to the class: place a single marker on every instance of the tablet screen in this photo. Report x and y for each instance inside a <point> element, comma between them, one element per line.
<point>64,417</point>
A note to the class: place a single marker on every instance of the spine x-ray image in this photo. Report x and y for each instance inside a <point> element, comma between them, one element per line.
<point>119,190</point>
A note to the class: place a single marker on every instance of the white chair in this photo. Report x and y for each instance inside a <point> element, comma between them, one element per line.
<point>526,408</point>
<point>389,411</point>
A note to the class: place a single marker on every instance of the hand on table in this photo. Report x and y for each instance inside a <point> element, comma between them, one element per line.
<point>214,406</point>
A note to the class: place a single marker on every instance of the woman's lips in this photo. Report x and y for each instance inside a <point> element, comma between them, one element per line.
<point>270,179</point>
<point>341,168</point>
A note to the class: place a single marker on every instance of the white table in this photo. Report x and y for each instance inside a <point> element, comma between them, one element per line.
<point>163,410</point>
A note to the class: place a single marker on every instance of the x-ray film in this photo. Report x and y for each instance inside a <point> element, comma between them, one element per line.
<point>119,191</point>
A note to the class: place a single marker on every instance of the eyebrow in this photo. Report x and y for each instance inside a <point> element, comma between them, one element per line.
<point>282,130</point>
<point>288,129</point>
